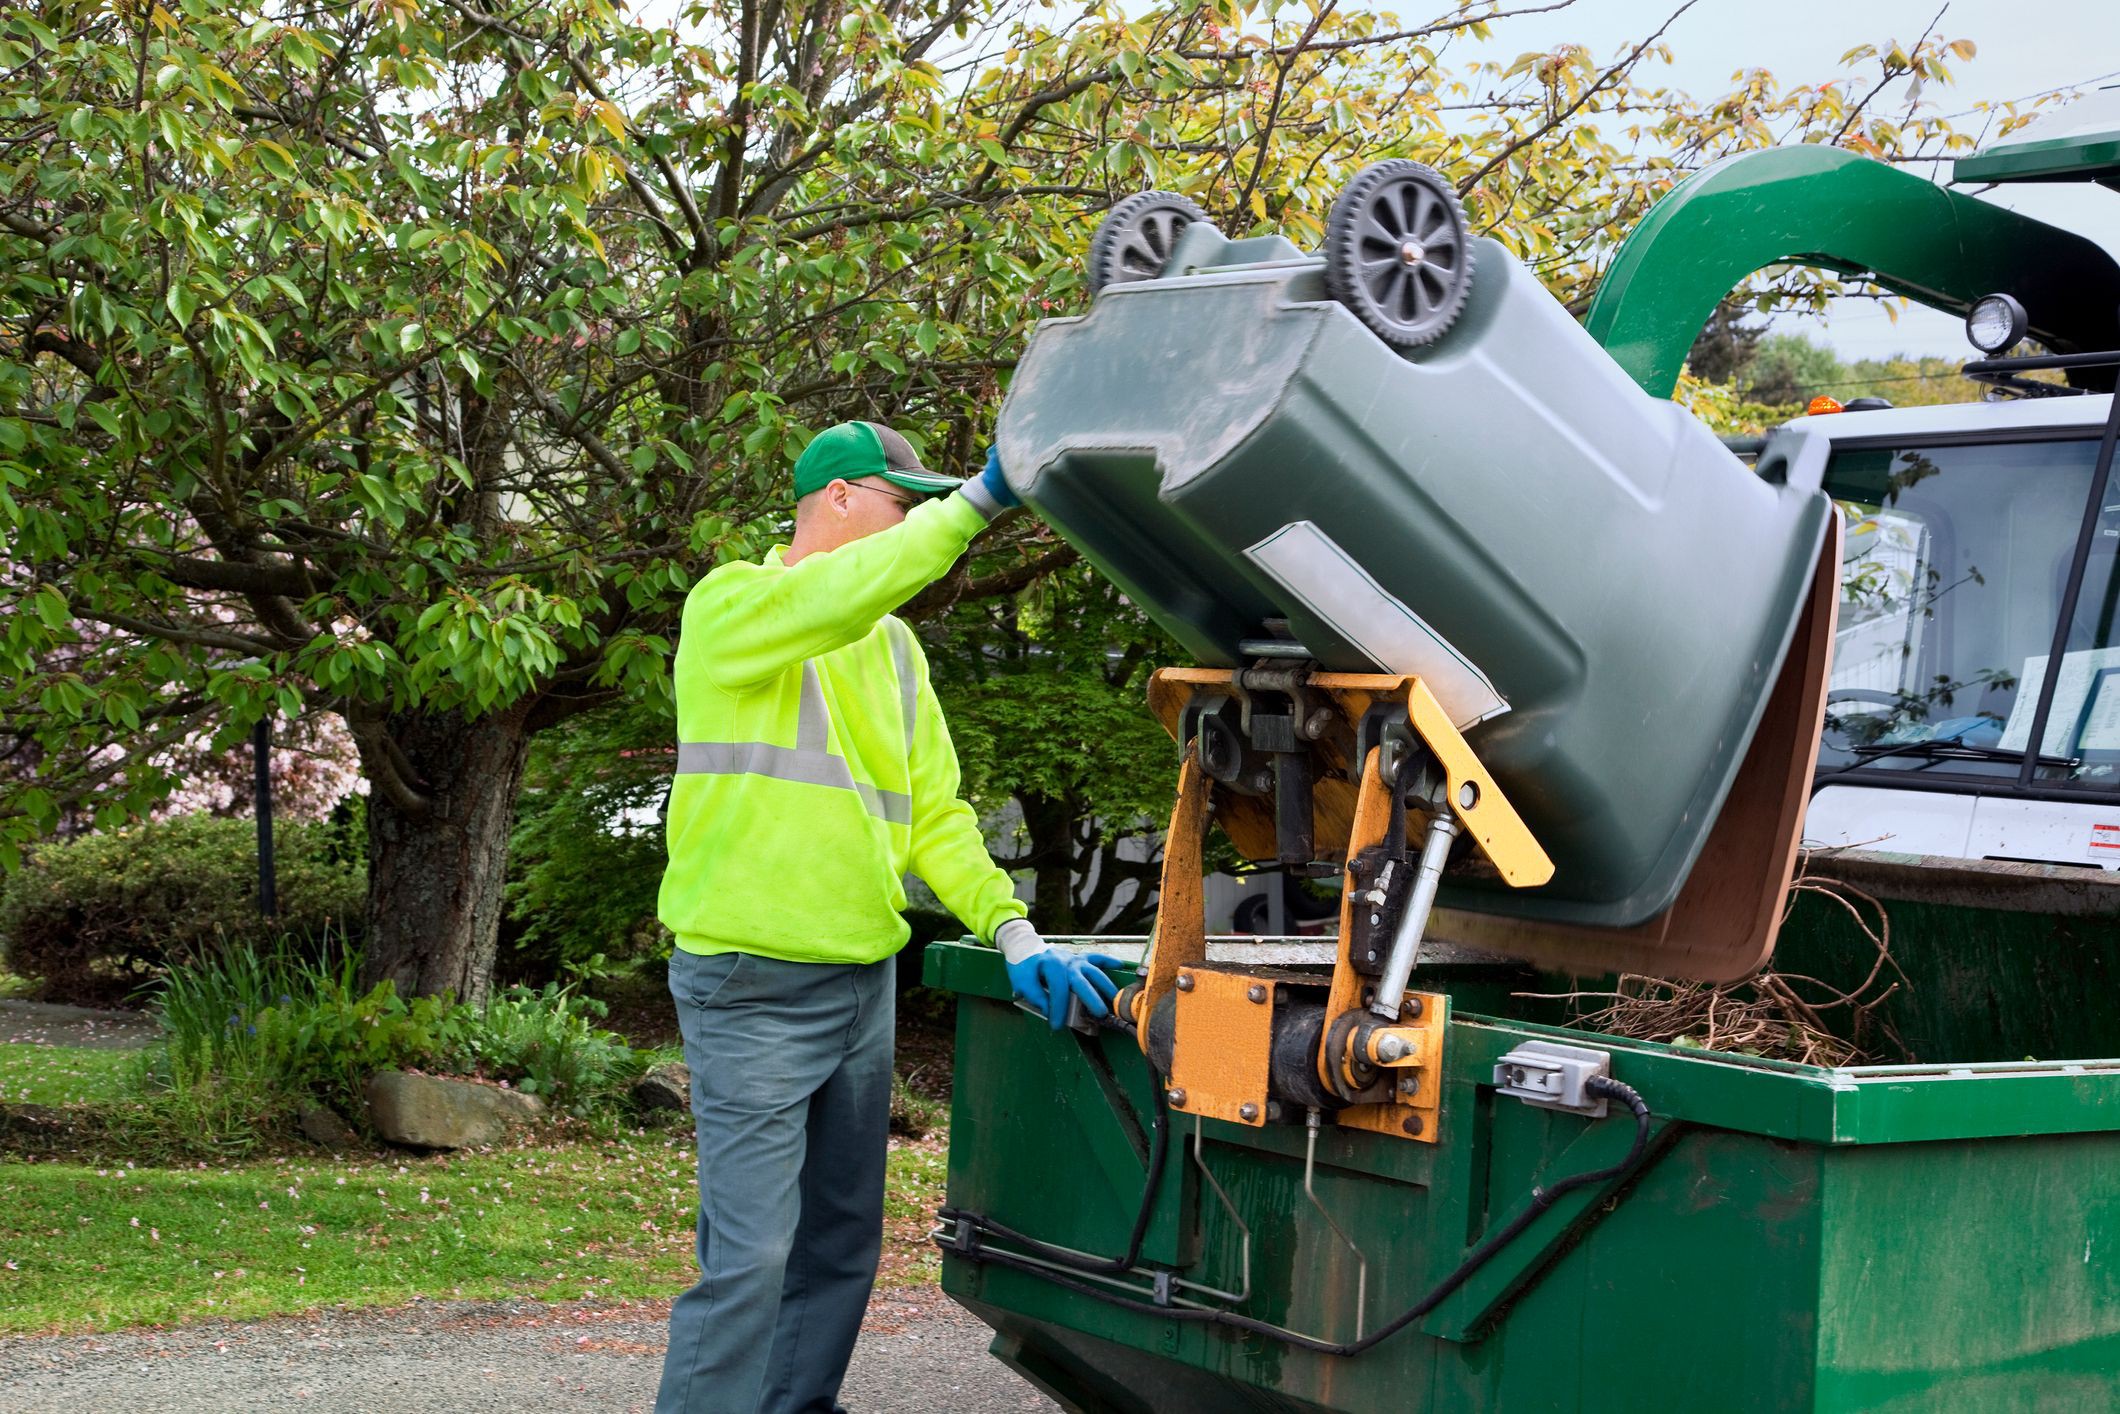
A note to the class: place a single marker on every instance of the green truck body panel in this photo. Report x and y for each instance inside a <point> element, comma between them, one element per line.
<point>1995,962</point>
<point>1880,1238</point>
<point>1827,207</point>
<point>2056,160</point>
<point>2077,142</point>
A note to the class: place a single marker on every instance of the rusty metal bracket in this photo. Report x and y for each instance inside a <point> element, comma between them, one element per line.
<point>1223,1056</point>
<point>1180,937</point>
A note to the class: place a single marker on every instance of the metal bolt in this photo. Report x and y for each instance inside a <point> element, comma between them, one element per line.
<point>1413,1124</point>
<point>1376,920</point>
<point>1176,1098</point>
<point>1185,982</point>
<point>1247,1112</point>
<point>1317,724</point>
<point>1369,994</point>
<point>1411,1085</point>
<point>1370,956</point>
<point>1410,1007</point>
<point>1468,795</point>
<point>1273,1110</point>
<point>1256,992</point>
<point>1390,1048</point>
<point>1412,253</point>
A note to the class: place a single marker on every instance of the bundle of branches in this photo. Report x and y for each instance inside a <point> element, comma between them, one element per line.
<point>1781,1015</point>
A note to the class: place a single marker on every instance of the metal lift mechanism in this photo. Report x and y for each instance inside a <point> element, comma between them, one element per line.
<point>1285,758</point>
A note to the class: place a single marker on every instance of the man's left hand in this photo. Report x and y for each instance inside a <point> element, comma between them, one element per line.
<point>1046,977</point>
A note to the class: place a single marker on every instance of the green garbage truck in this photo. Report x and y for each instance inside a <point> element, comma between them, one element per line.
<point>1595,724</point>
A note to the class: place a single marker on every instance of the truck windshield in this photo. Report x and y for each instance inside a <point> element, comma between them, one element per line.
<point>1956,565</point>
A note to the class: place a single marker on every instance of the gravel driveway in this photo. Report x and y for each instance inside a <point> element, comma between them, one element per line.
<point>918,1354</point>
<point>48,1024</point>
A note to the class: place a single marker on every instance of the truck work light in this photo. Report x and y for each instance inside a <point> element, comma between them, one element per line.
<point>1995,323</point>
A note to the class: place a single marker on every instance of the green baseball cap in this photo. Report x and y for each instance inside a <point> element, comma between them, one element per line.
<point>853,450</point>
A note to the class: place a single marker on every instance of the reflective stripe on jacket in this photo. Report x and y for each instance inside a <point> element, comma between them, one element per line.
<point>814,769</point>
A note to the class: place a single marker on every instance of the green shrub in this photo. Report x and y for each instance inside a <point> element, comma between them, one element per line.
<point>250,1035</point>
<point>254,1034</point>
<point>327,1038</point>
<point>545,1043</point>
<point>585,857</point>
<point>96,918</point>
<point>211,1086</point>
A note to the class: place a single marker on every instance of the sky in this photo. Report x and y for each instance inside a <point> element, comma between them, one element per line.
<point>2025,47</point>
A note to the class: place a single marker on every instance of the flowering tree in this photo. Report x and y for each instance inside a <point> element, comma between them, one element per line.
<point>210,770</point>
<point>406,362</point>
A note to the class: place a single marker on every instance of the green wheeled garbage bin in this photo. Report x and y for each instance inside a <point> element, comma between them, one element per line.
<point>1596,589</point>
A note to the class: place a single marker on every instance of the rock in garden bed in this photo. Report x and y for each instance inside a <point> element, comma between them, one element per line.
<point>432,1112</point>
<point>664,1087</point>
<point>323,1126</point>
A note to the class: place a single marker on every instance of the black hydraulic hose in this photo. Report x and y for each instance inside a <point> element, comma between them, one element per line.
<point>1158,1152</point>
<point>1541,1200</point>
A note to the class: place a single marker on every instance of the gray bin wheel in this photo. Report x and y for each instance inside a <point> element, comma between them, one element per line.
<point>1135,239</point>
<point>1398,252</point>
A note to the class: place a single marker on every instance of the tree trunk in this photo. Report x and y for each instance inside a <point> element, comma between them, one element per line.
<point>435,875</point>
<point>1047,823</point>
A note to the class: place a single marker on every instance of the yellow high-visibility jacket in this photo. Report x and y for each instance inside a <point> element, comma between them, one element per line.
<point>814,769</point>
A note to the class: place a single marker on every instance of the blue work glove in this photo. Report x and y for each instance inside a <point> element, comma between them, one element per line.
<point>1045,976</point>
<point>995,484</point>
<point>1046,980</point>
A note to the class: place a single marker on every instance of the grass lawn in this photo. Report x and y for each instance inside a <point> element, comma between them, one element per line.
<point>60,1075</point>
<point>88,1248</point>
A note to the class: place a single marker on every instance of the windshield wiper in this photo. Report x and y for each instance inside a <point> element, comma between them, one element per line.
<point>1956,751</point>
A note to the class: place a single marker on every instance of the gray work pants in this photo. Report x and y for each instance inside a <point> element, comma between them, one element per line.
<point>791,1095</point>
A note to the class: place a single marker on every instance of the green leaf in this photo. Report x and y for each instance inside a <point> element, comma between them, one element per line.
<point>52,608</point>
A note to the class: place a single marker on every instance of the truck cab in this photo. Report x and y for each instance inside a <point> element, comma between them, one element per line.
<point>1974,710</point>
<point>1960,580</point>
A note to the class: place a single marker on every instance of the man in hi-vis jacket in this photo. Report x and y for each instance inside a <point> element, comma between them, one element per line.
<point>814,772</point>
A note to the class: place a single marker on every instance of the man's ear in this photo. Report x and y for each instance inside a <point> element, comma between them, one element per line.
<point>839,494</point>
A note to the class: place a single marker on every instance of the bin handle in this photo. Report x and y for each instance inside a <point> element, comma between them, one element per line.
<point>1793,457</point>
